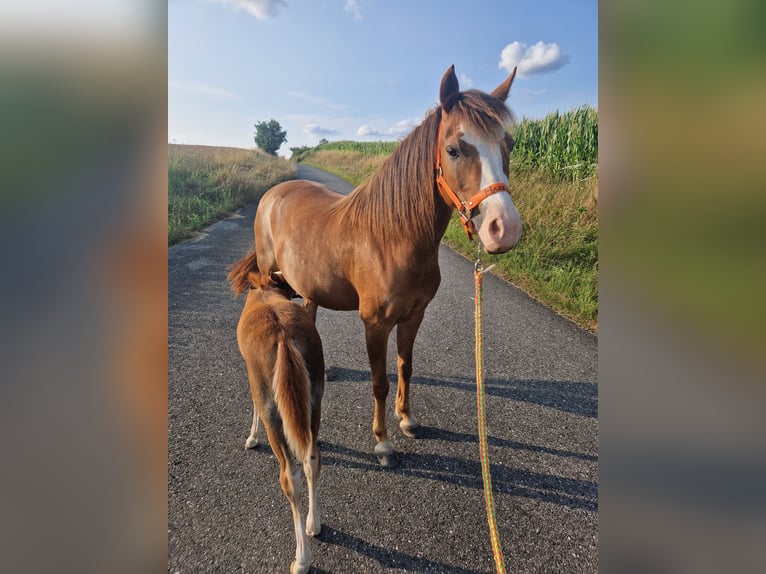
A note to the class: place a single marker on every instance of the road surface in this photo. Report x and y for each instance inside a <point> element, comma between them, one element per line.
<point>226,512</point>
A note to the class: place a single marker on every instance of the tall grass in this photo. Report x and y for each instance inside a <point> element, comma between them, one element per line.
<point>370,148</point>
<point>562,146</point>
<point>354,167</point>
<point>206,183</point>
<point>556,260</point>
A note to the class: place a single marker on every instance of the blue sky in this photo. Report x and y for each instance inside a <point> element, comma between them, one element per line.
<point>365,69</point>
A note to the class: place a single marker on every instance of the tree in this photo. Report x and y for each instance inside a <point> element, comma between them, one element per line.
<point>269,136</point>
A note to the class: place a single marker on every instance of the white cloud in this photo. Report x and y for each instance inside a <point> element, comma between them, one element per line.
<point>206,90</point>
<point>365,130</point>
<point>261,9</point>
<point>398,130</point>
<point>465,82</point>
<point>352,6</point>
<point>316,131</point>
<point>536,59</point>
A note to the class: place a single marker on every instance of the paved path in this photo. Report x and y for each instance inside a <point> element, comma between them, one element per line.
<point>227,513</point>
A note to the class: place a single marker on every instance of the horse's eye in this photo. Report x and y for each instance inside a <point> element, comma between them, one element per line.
<point>453,152</point>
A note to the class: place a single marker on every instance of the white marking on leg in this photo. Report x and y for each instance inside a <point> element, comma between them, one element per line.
<point>252,440</point>
<point>303,554</point>
<point>313,523</point>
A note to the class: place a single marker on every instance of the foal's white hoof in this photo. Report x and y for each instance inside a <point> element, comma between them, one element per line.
<point>296,568</point>
<point>251,442</point>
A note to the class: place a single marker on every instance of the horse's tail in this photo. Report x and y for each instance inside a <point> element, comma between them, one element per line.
<point>292,394</point>
<point>239,273</point>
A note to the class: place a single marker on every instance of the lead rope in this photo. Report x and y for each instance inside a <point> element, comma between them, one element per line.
<point>489,501</point>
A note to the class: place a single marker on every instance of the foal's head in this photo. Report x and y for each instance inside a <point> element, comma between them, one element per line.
<point>272,283</point>
<point>474,148</point>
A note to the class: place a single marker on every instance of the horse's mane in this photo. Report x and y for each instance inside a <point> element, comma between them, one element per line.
<point>400,197</point>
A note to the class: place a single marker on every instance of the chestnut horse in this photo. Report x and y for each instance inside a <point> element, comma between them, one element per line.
<point>376,250</point>
<point>285,366</point>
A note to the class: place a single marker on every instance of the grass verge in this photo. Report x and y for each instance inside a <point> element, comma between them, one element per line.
<point>207,183</point>
<point>556,261</point>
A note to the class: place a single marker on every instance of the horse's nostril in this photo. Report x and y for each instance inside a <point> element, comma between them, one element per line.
<point>495,228</point>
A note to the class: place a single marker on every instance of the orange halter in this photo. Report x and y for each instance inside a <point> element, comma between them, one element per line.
<point>464,208</point>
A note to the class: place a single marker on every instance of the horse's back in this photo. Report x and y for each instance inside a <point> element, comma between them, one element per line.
<point>301,190</point>
<point>299,233</point>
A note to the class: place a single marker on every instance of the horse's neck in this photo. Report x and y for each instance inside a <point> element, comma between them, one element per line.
<point>405,212</point>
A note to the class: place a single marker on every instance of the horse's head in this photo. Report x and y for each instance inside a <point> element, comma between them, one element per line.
<point>472,161</point>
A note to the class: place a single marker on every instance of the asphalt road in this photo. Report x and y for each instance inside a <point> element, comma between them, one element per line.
<point>226,512</point>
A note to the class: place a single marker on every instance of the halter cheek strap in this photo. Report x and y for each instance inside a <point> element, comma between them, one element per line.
<point>464,208</point>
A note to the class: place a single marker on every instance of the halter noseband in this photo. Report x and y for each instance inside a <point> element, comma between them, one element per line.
<point>464,208</point>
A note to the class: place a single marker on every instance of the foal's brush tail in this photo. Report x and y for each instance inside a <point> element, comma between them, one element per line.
<point>291,386</point>
<point>239,273</point>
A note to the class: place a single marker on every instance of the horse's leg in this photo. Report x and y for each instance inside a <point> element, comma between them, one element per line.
<point>311,309</point>
<point>252,440</point>
<point>376,335</point>
<point>291,486</point>
<point>406,332</point>
<point>311,467</point>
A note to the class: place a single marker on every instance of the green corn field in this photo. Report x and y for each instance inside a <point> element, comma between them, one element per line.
<point>563,146</point>
<point>371,148</point>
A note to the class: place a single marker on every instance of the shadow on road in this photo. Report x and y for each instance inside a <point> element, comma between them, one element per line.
<point>568,396</point>
<point>581,494</point>
<point>385,556</point>
<point>434,433</point>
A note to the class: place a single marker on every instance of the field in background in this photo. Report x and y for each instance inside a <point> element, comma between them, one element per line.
<point>560,146</point>
<point>206,183</point>
<point>554,184</point>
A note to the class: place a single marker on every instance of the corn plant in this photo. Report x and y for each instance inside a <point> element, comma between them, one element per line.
<point>564,146</point>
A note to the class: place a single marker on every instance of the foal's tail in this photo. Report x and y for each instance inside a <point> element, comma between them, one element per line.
<point>239,273</point>
<point>292,394</point>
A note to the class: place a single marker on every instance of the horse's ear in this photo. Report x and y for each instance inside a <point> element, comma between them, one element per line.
<point>450,89</point>
<point>501,92</point>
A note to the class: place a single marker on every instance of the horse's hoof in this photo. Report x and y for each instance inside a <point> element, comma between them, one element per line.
<point>388,460</point>
<point>251,442</point>
<point>296,568</point>
<point>410,427</point>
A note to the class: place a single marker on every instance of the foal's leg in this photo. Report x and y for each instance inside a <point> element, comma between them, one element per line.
<point>311,309</point>
<point>405,340</point>
<point>376,335</point>
<point>252,440</point>
<point>313,523</point>
<point>311,467</point>
<point>291,484</point>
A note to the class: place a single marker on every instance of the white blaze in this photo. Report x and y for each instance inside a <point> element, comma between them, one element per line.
<point>498,222</point>
<point>490,157</point>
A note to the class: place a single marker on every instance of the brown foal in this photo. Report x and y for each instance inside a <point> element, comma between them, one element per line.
<point>285,366</point>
